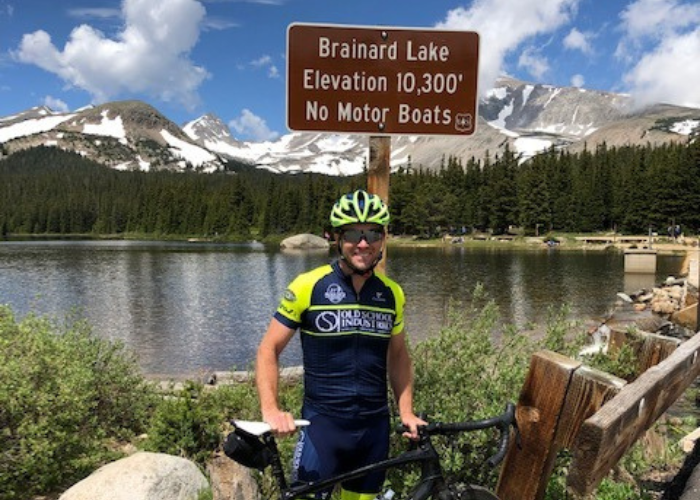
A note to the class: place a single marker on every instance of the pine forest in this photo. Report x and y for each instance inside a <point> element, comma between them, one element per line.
<point>46,191</point>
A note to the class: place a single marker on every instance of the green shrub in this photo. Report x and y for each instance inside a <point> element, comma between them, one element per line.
<point>470,370</point>
<point>63,395</point>
<point>186,424</point>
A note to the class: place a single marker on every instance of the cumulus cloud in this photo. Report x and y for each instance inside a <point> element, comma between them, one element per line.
<point>266,62</point>
<point>150,55</point>
<point>578,81</point>
<point>577,40</point>
<point>505,25</point>
<point>534,62</point>
<point>661,42</point>
<point>251,126</point>
<point>670,73</point>
<point>56,104</point>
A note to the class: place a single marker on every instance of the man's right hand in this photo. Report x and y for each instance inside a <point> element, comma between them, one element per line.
<point>281,422</point>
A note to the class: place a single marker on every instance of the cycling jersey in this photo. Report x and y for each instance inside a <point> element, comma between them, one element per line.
<point>345,336</point>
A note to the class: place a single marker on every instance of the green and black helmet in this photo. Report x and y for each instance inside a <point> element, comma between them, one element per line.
<point>359,207</point>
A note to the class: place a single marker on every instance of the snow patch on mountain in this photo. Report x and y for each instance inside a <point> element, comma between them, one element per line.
<point>191,153</point>
<point>110,127</point>
<point>31,126</point>
<point>685,127</point>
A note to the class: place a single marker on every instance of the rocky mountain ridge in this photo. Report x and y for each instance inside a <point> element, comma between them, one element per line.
<point>126,135</point>
<point>524,117</point>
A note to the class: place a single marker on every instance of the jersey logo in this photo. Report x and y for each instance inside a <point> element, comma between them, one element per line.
<point>289,295</point>
<point>335,293</point>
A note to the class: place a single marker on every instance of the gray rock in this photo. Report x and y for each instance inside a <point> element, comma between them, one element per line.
<point>304,241</point>
<point>142,476</point>
<point>231,481</point>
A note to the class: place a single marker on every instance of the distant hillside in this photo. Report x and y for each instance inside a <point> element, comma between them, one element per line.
<point>524,117</point>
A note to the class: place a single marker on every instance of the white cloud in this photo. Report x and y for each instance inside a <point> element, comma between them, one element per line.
<point>94,12</point>
<point>658,18</point>
<point>577,40</point>
<point>251,126</point>
<point>578,81</point>
<point>534,62</point>
<point>261,61</point>
<point>218,24</point>
<point>505,25</point>
<point>670,73</point>
<point>266,62</point>
<point>7,9</point>
<point>56,104</point>
<point>661,43</point>
<point>150,55</point>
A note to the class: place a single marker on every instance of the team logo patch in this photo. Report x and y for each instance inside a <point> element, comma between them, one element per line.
<point>335,294</point>
<point>289,295</point>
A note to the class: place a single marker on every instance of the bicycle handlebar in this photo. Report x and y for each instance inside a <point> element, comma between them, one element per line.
<point>503,422</point>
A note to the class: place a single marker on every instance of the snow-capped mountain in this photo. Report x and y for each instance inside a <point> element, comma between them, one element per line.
<point>524,117</point>
<point>333,154</point>
<point>127,135</point>
<point>527,118</point>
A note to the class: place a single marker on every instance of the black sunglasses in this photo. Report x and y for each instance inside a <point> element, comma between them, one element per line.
<point>354,236</point>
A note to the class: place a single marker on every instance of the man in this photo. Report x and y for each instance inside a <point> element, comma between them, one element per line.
<point>352,335</point>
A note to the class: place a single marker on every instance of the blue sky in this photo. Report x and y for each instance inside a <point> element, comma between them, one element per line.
<point>227,57</point>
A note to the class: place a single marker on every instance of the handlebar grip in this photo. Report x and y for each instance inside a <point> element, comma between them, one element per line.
<point>508,419</point>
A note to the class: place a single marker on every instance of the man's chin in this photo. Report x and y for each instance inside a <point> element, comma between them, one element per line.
<point>362,266</point>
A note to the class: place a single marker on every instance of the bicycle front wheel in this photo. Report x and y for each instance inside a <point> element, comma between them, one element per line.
<point>469,492</point>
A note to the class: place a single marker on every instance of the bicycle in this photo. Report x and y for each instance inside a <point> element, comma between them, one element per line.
<point>254,446</point>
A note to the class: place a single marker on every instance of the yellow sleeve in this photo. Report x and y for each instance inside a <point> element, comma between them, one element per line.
<point>297,297</point>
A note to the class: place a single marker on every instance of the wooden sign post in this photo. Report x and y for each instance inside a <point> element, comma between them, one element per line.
<point>381,81</point>
<point>378,175</point>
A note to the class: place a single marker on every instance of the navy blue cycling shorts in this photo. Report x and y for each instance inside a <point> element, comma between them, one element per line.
<point>330,446</point>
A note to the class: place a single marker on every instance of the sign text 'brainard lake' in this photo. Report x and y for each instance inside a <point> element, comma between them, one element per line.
<point>376,80</point>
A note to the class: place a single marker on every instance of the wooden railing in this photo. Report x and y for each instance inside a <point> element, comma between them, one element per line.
<point>598,417</point>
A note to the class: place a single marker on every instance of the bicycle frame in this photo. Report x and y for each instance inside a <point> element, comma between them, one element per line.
<point>431,472</point>
<point>431,479</point>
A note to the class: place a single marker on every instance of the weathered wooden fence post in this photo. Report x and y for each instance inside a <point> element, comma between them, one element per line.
<point>538,414</point>
<point>608,434</point>
<point>558,395</point>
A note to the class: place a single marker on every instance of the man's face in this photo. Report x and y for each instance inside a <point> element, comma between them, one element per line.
<point>361,244</point>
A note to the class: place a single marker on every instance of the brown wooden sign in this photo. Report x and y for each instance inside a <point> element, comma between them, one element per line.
<point>381,80</point>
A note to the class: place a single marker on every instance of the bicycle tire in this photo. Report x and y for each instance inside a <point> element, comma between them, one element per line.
<point>471,492</point>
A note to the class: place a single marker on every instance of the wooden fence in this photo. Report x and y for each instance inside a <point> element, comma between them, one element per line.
<point>598,417</point>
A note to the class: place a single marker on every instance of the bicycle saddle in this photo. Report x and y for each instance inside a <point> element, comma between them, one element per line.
<point>260,428</point>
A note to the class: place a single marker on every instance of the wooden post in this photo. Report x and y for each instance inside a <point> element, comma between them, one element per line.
<point>525,471</point>
<point>608,434</point>
<point>378,175</point>
<point>558,396</point>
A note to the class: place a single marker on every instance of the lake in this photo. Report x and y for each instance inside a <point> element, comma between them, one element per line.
<point>192,308</point>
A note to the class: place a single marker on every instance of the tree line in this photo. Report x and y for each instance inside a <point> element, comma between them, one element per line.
<point>629,189</point>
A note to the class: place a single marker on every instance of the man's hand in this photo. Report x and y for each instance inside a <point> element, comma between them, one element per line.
<point>281,422</point>
<point>412,421</point>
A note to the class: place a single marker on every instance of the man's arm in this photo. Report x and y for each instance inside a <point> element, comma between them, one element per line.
<point>401,380</point>
<point>267,377</point>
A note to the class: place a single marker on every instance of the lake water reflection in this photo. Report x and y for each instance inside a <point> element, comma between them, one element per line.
<point>186,308</point>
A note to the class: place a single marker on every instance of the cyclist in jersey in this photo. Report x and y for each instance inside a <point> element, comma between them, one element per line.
<point>351,325</point>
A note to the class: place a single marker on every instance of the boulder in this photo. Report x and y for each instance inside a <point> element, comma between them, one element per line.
<point>231,481</point>
<point>304,242</point>
<point>142,476</point>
